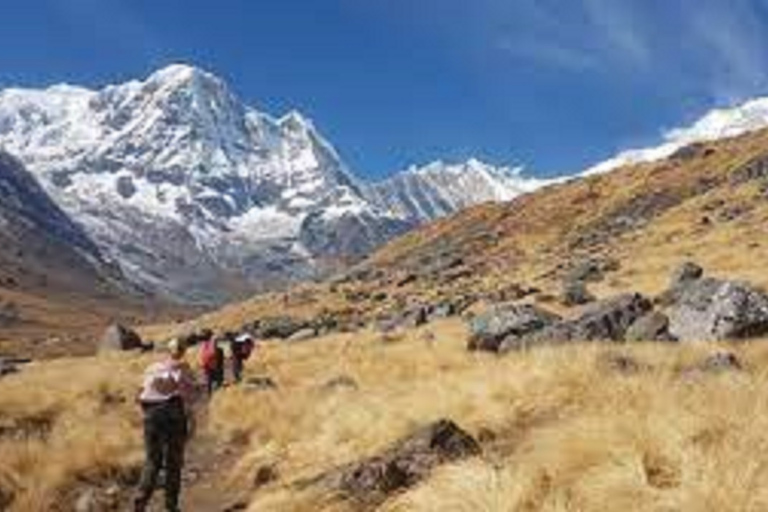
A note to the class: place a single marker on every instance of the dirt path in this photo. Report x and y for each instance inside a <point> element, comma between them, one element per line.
<point>206,486</point>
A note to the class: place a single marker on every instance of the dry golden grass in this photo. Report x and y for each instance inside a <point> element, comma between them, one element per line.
<point>569,434</point>
<point>561,431</point>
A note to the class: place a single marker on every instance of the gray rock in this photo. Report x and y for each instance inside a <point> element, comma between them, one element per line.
<point>86,501</point>
<point>652,327</point>
<point>591,269</point>
<point>260,384</point>
<point>686,274</point>
<point>721,362</point>
<point>280,327</point>
<point>120,338</point>
<point>303,335</point>
<point>607,320</point>
<point>575,293</point>
<point>711,309</point>
<point>489,330</point>
<point>8,367</point>
<point>403,465</point>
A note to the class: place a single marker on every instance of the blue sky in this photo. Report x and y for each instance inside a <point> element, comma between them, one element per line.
<point>554,85</point>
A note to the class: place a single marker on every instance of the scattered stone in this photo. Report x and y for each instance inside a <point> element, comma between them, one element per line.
<point>86,502</point>
<point>652,327</point>
<point>721,362</point>
<point>303,335</point>
<point>340,382</point>
<point>117,337</point>
<point>607,320</point>
<point>403,465</point>
<point>489,330</point>
<point>9,314</point>
<point>575,293</point>
<point>265,475</point>
<point>280,327</point>
<point>620,363</point>
<point>691,151</point>
<point>236,507</point>
<point>591,270</point>
<point>756,169</point>
<point>7,368</point>
<point>685,274</point>
<point>406,280</point>
<point>260,383</point>
<point>710,310</point>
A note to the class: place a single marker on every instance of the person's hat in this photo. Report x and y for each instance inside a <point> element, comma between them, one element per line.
<point>176,346</point>
<point>244,338</point>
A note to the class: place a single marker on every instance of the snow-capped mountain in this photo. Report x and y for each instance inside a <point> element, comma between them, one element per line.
<point>422,194</point>
<point>193,193</point>
<point>716,124</point>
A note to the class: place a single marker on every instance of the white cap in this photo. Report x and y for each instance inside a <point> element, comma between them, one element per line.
<point>243,338</point>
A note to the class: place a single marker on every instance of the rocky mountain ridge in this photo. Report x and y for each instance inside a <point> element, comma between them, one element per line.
<point>196,195</point>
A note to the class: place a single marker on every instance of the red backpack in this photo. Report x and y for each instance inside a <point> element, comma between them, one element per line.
<point>208,355</point>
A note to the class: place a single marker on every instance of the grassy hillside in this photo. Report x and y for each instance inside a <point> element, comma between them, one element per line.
<point>566,428</point>
<point>560,428</point>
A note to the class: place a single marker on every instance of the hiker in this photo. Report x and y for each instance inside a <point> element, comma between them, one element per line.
<point>212,363</point>
<point>166,399</point>
<point>241,347</point>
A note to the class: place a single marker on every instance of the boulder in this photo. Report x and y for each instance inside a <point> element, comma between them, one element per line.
<point>489,330</point>
<point>575,293</point>
<point>686,273</point>
<point>280,327</point>
<point>607,320</point>
<point>591,269</point>
<point>404,464</point>
<point>652,327</point>
<point>711,309</point>
<point>7,368</point>
<point>120,338</point>
<point>303,335</point>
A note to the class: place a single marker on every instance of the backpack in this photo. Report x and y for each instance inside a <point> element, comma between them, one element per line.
<point>208,355</point>
<point>246,347</point>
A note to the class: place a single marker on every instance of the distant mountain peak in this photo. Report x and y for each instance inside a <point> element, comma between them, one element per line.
<point>717,124</point>
<point>174,172</point>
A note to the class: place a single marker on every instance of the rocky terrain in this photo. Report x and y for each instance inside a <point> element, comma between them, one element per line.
<point>596,344</point>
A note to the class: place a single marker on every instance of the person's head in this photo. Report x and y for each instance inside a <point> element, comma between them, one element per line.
<point>207,334</point>
<point>177,349</point>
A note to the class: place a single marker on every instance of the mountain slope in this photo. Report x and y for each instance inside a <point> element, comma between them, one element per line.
<point>195,194</point>
<point>54,281</point>
<point>438,189</point>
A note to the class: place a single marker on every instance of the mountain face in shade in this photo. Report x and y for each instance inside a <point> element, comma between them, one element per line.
<point>39,244</point>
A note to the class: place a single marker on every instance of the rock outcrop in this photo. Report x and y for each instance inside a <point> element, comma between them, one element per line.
<point>711,309</point>
<point>403,465</point>
<point>120,338</point>
<point>490,330</point>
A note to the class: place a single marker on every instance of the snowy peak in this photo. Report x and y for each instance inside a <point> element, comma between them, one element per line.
<point>716,124</point>
<point>175,172</point>
<point>425,193</point>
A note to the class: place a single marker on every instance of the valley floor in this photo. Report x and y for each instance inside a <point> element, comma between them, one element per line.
<point>561,428</point>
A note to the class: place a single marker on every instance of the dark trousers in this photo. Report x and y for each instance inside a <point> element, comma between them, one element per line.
<point>214,379</point>
<point>165,433</point>
<point>237,368</point>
